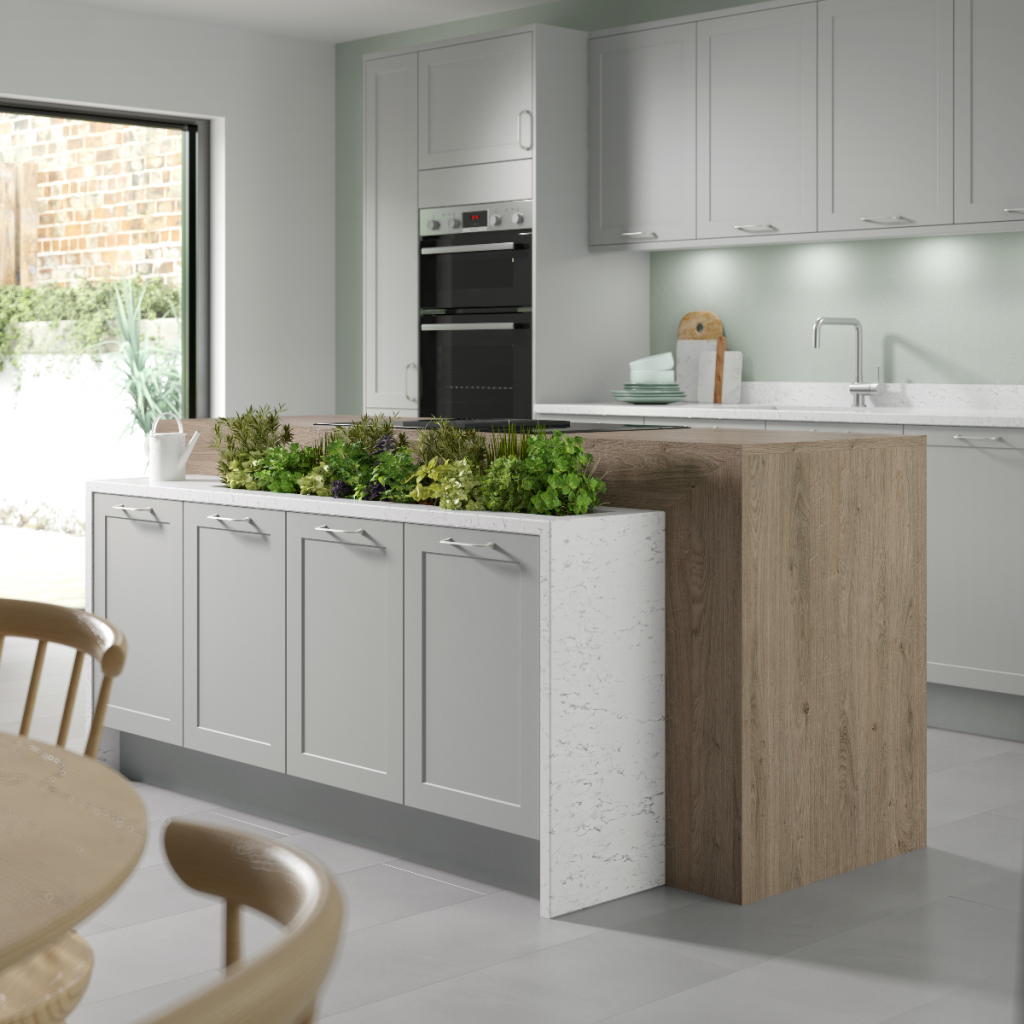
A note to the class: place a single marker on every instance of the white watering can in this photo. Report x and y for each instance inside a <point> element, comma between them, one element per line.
<point>168,453</point>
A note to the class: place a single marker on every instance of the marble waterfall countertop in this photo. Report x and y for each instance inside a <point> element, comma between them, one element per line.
<point>948,405</point>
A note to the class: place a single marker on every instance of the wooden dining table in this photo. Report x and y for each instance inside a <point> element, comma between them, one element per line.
<point>71,830</point>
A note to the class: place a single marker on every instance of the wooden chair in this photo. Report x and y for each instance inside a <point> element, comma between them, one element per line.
<point>88,634</point>
<point>47,985</point>
<point>279,987</point>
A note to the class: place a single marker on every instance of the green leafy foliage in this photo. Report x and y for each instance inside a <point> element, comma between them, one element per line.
<point>447,442</point>
<point>244,438</point>
<point>559,476</point>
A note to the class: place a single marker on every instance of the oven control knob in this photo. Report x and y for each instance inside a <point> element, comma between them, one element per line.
<point>517,218</point>
<point>433,225</point>
<point>495,219</point>
<point>453,222</point>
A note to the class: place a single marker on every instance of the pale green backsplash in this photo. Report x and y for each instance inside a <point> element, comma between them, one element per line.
<point>935,310</point>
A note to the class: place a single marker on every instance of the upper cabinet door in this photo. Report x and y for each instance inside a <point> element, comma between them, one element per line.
<point>988,111</point>
<point>390,236</point>
<point>476,102</point>
<point>756,123</point>
<point>642,132</point>
<point>885,113</point>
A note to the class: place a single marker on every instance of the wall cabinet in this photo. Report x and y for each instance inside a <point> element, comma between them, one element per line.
<point>137,584</point>
<point>476,102</point>
<point>345,704</point>
<point>390,236</point>
<point>234,615</point>
<point>642,125</point>
<point>885,81</point>
<point>756,123</point>
<point>472,630</point>
<point>989,117</point>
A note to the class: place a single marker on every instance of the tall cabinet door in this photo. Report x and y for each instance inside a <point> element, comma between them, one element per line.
<point>137,586</point>
<point>390,236</point>
<point>235,633</point>
<point>345,661</point>
<point>642,132</point>
<point>476,102</point>
<point>472,705</point>
<point>885,113</point>
<point>989,115</point>
<point>757,159</point>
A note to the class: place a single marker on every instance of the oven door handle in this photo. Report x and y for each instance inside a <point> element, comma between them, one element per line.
<point>443,250</point>
<point>491,326</point>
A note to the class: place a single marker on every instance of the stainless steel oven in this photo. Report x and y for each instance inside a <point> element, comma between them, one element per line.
<point>476,296</point>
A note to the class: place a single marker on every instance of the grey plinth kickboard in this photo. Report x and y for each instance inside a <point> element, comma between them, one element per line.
<point>484,854</point>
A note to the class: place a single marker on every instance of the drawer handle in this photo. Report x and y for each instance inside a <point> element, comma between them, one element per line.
<point>639,234</point>
<point>328,529</point>
<point>1013,209</point>
<point>228,519</point>
<point>973,437</point>
<point>466,543</point>
<point>885,220</point>
<point>756,228</point>
<point>128,508</point>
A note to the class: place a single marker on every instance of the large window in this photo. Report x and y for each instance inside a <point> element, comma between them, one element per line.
<point>102,320</point>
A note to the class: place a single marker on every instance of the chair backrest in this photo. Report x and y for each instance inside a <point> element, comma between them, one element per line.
<point>88,634</point>
<point>279,987</point>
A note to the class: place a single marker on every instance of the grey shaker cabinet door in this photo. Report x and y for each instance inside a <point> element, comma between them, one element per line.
<point>642,136</point>
<point>235,633</point>
<point>976,567</point>
<point>137,586</point>
<point>989,114</point>
<point>757,160</point>
<point>476,102</point>
<point>472,711</point>
<point>885,113</point>
<point>345,653</point>
<point>390,235</point>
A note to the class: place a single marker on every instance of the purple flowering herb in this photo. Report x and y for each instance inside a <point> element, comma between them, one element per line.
<point>340,489</point>
<point>374,491</point>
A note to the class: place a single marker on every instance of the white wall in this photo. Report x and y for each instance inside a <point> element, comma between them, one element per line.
<point>271,102</point>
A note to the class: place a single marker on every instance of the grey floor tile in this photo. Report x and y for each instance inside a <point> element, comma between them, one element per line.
<point>948,749</point>
<point>1012,810</point>
<point>335,855</point>
<point>1004,891</point>
<point>224,817</point>
<point>163,803</point>
<point>444,876</point>
<point>977,786</point>
<point>382,893</point>
<point>616,913</point>
<point>575,982</point>
<point>988,838</point>
<point>995,1000</point>
<point>144,1003</point>
<point>385,961</point>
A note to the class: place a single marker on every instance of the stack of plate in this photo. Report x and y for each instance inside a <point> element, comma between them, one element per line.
<point>649,394</point>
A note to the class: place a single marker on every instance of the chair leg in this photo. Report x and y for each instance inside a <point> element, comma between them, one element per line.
<point>233,935</point>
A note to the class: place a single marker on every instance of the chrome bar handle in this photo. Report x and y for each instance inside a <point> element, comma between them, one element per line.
<point>466,544</point>
<point>639,234</point>
<point>408,367</point>
<point>487,326</point>
<point>228,519</point>
<point>128,508</point>
<point>756,228</point>
<point>328,529</point>
<point>972,437</point>
<point>446,250</point>
<point>898,219</point>
<point>520,128</point>
<point>1013,209</point>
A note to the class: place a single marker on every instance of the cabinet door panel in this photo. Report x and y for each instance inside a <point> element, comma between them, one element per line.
<point>235,633</point>
<point>885,109</point>
<point>472,102</point>
<point>345,693</point>
<point>756,123</point>
<point>642,136</point>
<point>137,586</point>
<point>989,113</point>
<point>472,677</point>
<point>390,236</point>
<point>975,568</point>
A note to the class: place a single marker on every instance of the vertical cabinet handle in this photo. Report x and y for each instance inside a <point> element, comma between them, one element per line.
<point>525,145</point>
<point>408,367</point>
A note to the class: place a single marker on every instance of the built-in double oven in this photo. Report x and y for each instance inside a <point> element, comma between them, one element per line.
<point>476,308</point>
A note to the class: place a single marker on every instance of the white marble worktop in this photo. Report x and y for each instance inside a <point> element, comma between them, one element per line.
<point>938,405</point>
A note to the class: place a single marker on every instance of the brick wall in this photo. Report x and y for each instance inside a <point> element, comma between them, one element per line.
<point>109,197</point>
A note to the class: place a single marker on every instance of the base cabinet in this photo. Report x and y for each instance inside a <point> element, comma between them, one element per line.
<point>137,584</point>
<point>234,615</point>
<point>345,700</point>
<point>472,711</point>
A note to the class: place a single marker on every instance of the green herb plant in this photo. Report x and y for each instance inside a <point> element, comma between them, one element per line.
<point>244,438</point>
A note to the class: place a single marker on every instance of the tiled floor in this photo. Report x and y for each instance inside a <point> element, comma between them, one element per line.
<point>930,937</point>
